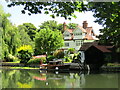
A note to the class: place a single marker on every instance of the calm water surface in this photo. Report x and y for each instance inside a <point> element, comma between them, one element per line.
<point>37,79</point>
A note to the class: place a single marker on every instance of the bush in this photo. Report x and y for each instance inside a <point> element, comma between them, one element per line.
<point>67,59</point>
<point>59,54</point>
<point>12,58</point>
<point>71,51</point>
<point>50,58</point>
<point>37,60</point>
<point>25,53</point>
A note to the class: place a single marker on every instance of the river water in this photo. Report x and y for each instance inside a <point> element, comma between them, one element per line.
<point>43,79</point>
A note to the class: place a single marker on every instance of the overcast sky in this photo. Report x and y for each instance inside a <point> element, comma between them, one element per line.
<point>18,18</point>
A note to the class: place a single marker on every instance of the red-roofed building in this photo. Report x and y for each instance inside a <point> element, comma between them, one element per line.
<point>74,38</point>
<point>95,55</point>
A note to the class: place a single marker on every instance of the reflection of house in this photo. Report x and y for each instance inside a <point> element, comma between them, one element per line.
<point>74,38</point>
<point>96,54</point>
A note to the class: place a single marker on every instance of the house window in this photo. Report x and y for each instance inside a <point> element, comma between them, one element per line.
<point>66,35</point>
<point>77,34</point>
<point>78,43</point>
<point>66,44</point>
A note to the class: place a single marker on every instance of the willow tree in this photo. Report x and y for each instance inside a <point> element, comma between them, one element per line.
<point>9,38</point>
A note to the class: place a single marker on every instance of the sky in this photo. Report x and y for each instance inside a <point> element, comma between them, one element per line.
<point>17,18</point>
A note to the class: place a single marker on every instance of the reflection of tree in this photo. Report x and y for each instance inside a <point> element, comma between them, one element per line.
<point>9,78</point>
<point>15,79</point>
<point>24,77</point>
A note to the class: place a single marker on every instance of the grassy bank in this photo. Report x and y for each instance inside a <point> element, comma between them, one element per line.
<point>19,68</point>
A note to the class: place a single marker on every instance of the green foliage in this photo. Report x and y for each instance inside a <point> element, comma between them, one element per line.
<point>51,24</point>
<point>72,25</point>
<point>10,38</point>
<point>50,58</point>
<point>30,29</point>
<point>12,58</point>
<point>68,60</point>
<point>47,40</point>
<point>62,9</point>
<point>71,50</point>
<point>24,37</point>
<point>107,14</point>
<point>37,60</point>
<point>59,54</point>
<point>25,53</point>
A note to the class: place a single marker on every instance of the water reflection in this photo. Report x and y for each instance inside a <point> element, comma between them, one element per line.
<point>43,79</point>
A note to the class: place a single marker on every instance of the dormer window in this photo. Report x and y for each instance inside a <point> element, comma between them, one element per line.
<point>77,34</point>
<point>66,35</point>
<point>67,44</point>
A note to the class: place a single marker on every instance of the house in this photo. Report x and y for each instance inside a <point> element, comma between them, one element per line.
<point>96,55</point>
<point>74,38</point>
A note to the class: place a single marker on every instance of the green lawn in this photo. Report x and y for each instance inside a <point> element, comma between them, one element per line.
<point>23,68</point>
<point>12,62</point>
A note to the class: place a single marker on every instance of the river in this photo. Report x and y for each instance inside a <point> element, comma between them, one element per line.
<point>44,79</point>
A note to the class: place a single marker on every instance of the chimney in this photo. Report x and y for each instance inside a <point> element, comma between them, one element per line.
<point>85,24</point>
<point>64,26</point>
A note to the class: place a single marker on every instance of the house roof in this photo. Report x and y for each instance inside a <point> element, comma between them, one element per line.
<point>88,37</point>
<point>70,30</point>
<point>102,48</point>
<point>83,30</point>
<point>86,45</point>
<point>88,31</point>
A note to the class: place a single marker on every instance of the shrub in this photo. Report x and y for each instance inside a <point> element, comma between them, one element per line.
<point>12,58</point>
<point>59,54</point>
<point>50,58</point>
<point>67,59</point>
<point>37,60</point>
<point>71,50</point>
<point>25,53</point>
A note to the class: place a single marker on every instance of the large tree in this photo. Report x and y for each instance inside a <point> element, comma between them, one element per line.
<point>52,24</point>
<point>10,36</point>
<point>30,29</point>
<point>47,40</point>
<point>107,14</point>
<point>24,37</point>
<point>62,9</point>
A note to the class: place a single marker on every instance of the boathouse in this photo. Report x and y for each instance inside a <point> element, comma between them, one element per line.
<point>96,55</point>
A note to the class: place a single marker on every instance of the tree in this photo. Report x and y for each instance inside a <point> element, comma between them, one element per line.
<point>72,25</point>
<point>62,9</point>
<point>60,27</point>
<point>51,24</point>
<point>25,53</point>
<point>47,40</point>
<point>10,40</point>
<point>107,14</point>
<point>24,37</point>
<point>30,29</point>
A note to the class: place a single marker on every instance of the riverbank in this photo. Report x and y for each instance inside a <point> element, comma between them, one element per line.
<point>10,65</point>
